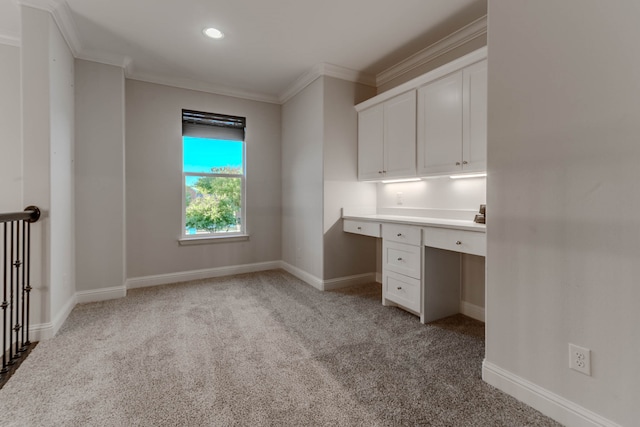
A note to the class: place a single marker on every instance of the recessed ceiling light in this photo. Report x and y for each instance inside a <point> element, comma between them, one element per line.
<point>214,33</point>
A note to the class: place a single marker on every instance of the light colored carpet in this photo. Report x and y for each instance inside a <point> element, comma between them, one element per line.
<point>259,349</point>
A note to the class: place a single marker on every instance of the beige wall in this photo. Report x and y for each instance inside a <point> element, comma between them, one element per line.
<point>302,179</point>
<point>61,128</point>
<point>154,181</point>
<point>47,69</point>
<point>344,254</point>
<point>10,132</point>
<point>99,173</point>
<point>563,199</point>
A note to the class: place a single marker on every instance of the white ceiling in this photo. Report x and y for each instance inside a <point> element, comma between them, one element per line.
<point>268,44</point>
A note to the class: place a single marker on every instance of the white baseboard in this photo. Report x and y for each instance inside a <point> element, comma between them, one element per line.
<point>471,310</point>
<point>345,282</point>
<point>303,275</point>
<point>331,284</point>
<point>101,294</point>
<point>44,331</point>
<point>560,409</point>
<point>185,276</point>
<point>40,332</point>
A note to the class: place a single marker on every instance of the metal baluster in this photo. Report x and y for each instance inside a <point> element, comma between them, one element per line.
<point>27,267</point>
<point>16,264</point>
<point>23,347</point>
<point>4,300</point>
<point>11,245</point>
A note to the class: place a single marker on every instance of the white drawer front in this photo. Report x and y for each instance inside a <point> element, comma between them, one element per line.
<point>362,227</point>
<point>402,290</point>
<point>401,258</point>
<point>468,242</point>
<point>401,234</point>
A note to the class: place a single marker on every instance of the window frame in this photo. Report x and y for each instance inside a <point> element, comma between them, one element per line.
<point>242,234</point>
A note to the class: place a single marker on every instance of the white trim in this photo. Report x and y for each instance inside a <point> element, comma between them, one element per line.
<point>379,278</point>
<point>331,284</point>
<point>102,294</point>
<point>450,67</point>
<point>343,73</point>
<point>40,332</point>
<point>104,58</point>
<point>456,39</point>
<point>329,70</point>
<point>63,18</point>
<point>345,282</point>
<point>185,276</point>
<point>44,331</point>
<point>10,40</point>
<point>471,310</point>
<point>200,86</point>
<point>560,409</point>
<point>303,275</point>
<point>210,240</point>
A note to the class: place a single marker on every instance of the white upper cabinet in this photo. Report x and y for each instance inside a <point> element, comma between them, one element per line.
<point>440,125</point>
<point>474,125</point>
<point>371,143</point>
<point>434,124</point>
<point>452,122</point>
<point>387,139</point>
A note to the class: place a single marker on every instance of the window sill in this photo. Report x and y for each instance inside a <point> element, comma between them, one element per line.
<point>208,240</point>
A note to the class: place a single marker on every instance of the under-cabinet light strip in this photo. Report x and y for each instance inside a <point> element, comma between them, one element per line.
<point>393,181</point>
<point>470,175</point>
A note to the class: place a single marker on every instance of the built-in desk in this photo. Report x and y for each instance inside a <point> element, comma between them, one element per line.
<point>421,259</point>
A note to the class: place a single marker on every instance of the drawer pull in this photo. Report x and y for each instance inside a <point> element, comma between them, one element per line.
<point>399,288</point>
<point>458,242</point>
<point>399,234</point>
<point>400,259</point>
<point>359,228</point>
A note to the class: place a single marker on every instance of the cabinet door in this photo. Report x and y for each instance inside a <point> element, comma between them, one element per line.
<point>370,143</point>
<point>400,136</point>
<point>474,146</point>
<point>440,126</point>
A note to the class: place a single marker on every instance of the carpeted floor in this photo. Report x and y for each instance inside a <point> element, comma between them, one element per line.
<point>259,349</point>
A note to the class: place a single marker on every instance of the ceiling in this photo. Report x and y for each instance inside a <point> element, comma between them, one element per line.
<point>267,44</point>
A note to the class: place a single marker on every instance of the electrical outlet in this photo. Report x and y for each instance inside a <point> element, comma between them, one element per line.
<point>580,359</point>
<point>399,198</point>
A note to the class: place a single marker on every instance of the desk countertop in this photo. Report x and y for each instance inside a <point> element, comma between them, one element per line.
<point>457,224</point>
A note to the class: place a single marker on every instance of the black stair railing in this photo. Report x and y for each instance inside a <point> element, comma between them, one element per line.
<point>15,228</point>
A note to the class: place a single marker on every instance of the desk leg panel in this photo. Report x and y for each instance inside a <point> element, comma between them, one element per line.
<point>441,284</point>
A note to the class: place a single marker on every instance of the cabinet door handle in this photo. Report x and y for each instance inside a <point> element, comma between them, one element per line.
<point>359,228</point>
<point>384,171</point>
<point>458,242</point>
<point>380,171</point>
<point>457,163</point>
<point>400,259</point>
<point>399,234</point>
<point>399,288</point>
<point>465,162</point>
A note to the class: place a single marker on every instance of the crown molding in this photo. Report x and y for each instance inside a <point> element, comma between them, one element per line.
<point>63,18</point>
<point>456,39</point>
<point>329,70</point>
<point>104,58</point>
<point>10,40</point>
<point>202,87</point>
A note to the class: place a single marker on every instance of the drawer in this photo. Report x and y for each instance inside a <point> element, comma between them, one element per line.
<point>468,242</point>
<point>401,234</point>
<point>401,258</point>
<point>362,227</point>
<point>402,290</point>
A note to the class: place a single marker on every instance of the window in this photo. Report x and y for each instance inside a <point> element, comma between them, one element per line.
<point>213,175</point>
